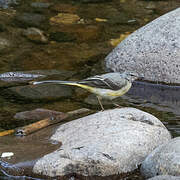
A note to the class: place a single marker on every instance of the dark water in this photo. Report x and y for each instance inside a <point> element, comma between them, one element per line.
<point>79,47</point>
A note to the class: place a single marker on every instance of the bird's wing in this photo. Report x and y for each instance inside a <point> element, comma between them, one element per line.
<point>103,82</point>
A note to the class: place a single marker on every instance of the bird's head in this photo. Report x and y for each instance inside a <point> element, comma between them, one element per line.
<point>130,76</point>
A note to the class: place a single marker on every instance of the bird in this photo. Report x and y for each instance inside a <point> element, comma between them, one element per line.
<point>105,86</point>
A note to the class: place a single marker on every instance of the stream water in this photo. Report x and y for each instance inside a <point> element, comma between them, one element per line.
<point>76,45</point>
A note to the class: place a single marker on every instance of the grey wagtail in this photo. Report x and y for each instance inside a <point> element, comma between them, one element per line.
<point>108,86</point>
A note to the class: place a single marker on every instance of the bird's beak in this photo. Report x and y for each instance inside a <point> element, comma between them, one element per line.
<point>31,82</point>
<point>140,78</point>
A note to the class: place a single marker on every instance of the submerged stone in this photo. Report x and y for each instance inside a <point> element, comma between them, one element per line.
<point>36,114</point>
<point>30,20</point>
<point>35,35</point>
<point>40,92</point>
<point>61,37</point>
<point>65,18</point>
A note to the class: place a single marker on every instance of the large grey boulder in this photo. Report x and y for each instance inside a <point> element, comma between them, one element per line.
<point>165,177</point>
<point>153,51</point>
<point>106,143</point>
<point>164,160</point>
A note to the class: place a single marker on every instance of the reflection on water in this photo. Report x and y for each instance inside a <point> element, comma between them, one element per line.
<point>163,99</point>
<point>160,95</point>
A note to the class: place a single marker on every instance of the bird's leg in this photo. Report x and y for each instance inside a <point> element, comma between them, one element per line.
<point>100,103</point>
<point>117,105</point>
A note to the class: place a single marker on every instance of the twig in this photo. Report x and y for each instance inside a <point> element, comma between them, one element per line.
<point>28,129</point>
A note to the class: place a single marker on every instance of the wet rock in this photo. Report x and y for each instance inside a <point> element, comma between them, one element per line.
<point>30,20</point>
<point>40,92</point>
<point>165,177</point>
<point>6,3</point>
<point>64,18</point>
<point>43,5</point>
<point>35,35</point>
<point>24,76</point>
<point>106,143</point>
<point>65,8</point>
<point>163,160</point>
<point>152,50</point>
<point>19,76</point>
<point>36,114</point>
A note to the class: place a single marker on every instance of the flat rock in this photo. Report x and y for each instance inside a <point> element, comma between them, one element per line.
<point>65,8</point>
<point>10,79</point>
<point>40,92</point>
<point>106,143</point>
<point>152,51</point>
<point>43,5</point>
<point>19,76</point>
<point>163,160</point>
<point>165,177</point>
<point>36,114</point>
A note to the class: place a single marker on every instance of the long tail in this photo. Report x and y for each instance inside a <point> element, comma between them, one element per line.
<point>72,83</point>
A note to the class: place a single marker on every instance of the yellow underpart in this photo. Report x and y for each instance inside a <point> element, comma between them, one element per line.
<point>121,91</point>
<point>82,86</point>
<point>106,93</point>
